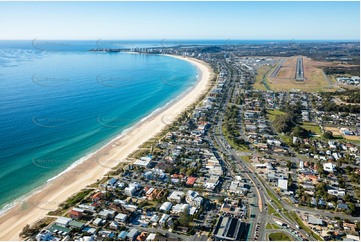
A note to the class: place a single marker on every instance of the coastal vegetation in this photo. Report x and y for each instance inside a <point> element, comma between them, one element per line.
<point>71,201</point>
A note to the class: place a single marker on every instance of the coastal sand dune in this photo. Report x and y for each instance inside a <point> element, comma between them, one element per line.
<point>58,190</point>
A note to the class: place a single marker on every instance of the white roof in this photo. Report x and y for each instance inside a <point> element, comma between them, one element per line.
<point>63,220</point>
<point>141,162</point>
<point>150,237</point>
<point>78,210</point>
<point>164,218</point>
<point>121,216</point>
<point>176,195</point>
<point>154,218</point>
<point>180,207</point>
<point>283,184</point>
<point>106,212</point>
<point>97,220</point>
<point>192,210</point>
<point>166,206</point>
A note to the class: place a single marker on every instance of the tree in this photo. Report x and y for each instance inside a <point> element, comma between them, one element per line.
<point>298,131</point>
<point>328,135</point>
<point>283,123</point>
<point>289,164</point>
<point>321,190</point>
<point>184,218</point>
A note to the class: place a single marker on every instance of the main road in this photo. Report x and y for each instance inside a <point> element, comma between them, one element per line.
<point>219,139</point>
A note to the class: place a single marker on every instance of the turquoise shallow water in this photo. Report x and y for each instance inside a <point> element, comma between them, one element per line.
<point>57,107</point>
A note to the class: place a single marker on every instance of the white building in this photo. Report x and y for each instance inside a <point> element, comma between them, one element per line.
<point>166,206</point>
<point>194,199</point>
<point>132,189</point>
<point>63,221</point>
<point>164,219</point>
<point>151,237</point>
<point>107,213</point>
<point>176,196</point>
<point>329,167</point>
<point>121,218</point>
<point>114,225</point>
<point>143,162</point>
<point>130,207</point>
<point>211,183</point>
<point>283,184</point>
<point>180,208</point>
<point>154,174</point>
<point>339,193</point>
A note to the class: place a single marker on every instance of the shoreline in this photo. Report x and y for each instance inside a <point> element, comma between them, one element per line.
<point>80,174</point>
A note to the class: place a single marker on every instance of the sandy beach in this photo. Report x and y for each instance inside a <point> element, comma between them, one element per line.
<point>58,190</point>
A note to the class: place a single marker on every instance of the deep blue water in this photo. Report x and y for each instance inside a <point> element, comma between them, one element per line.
<point>57,106</point>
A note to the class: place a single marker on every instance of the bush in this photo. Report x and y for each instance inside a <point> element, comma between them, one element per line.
<point>300,132</point>
<point>328,135</point>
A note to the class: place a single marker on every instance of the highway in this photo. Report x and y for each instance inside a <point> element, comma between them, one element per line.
<point>217,135</point>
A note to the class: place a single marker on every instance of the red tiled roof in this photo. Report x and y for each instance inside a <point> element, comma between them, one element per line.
<point>76,213</point>
<point>191,180</point>
<point>97,195</point>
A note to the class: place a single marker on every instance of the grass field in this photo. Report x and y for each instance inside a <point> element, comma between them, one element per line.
<point>272,226</point>
<point>245,158</point>
<point>273,212</point>
<point>275,226</point>
<point>274,199</point>
<point>269,226</point>
<point>279,237</point>
<point>262,74</point>
<point>271,114</point>
<point>314,128</point>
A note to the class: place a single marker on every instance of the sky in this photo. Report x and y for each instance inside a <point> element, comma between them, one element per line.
<point>181,20</point>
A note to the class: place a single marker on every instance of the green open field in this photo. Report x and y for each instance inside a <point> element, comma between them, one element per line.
<point>271,114</point>
<point>269,226</point>
<point>273,212</point>
<point>314,128</point>
<point>279,237</point>
<point>261,78</point>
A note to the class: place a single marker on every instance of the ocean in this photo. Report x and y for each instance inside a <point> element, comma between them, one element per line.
<point>59,102</point>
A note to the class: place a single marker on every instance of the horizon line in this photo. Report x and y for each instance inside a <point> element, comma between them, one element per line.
<point>163,39</point>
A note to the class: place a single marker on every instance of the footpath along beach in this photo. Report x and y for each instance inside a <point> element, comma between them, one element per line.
<point>59,189</point>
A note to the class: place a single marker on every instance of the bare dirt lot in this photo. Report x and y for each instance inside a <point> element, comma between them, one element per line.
<point>351,137</point>
<point>335,131</point>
